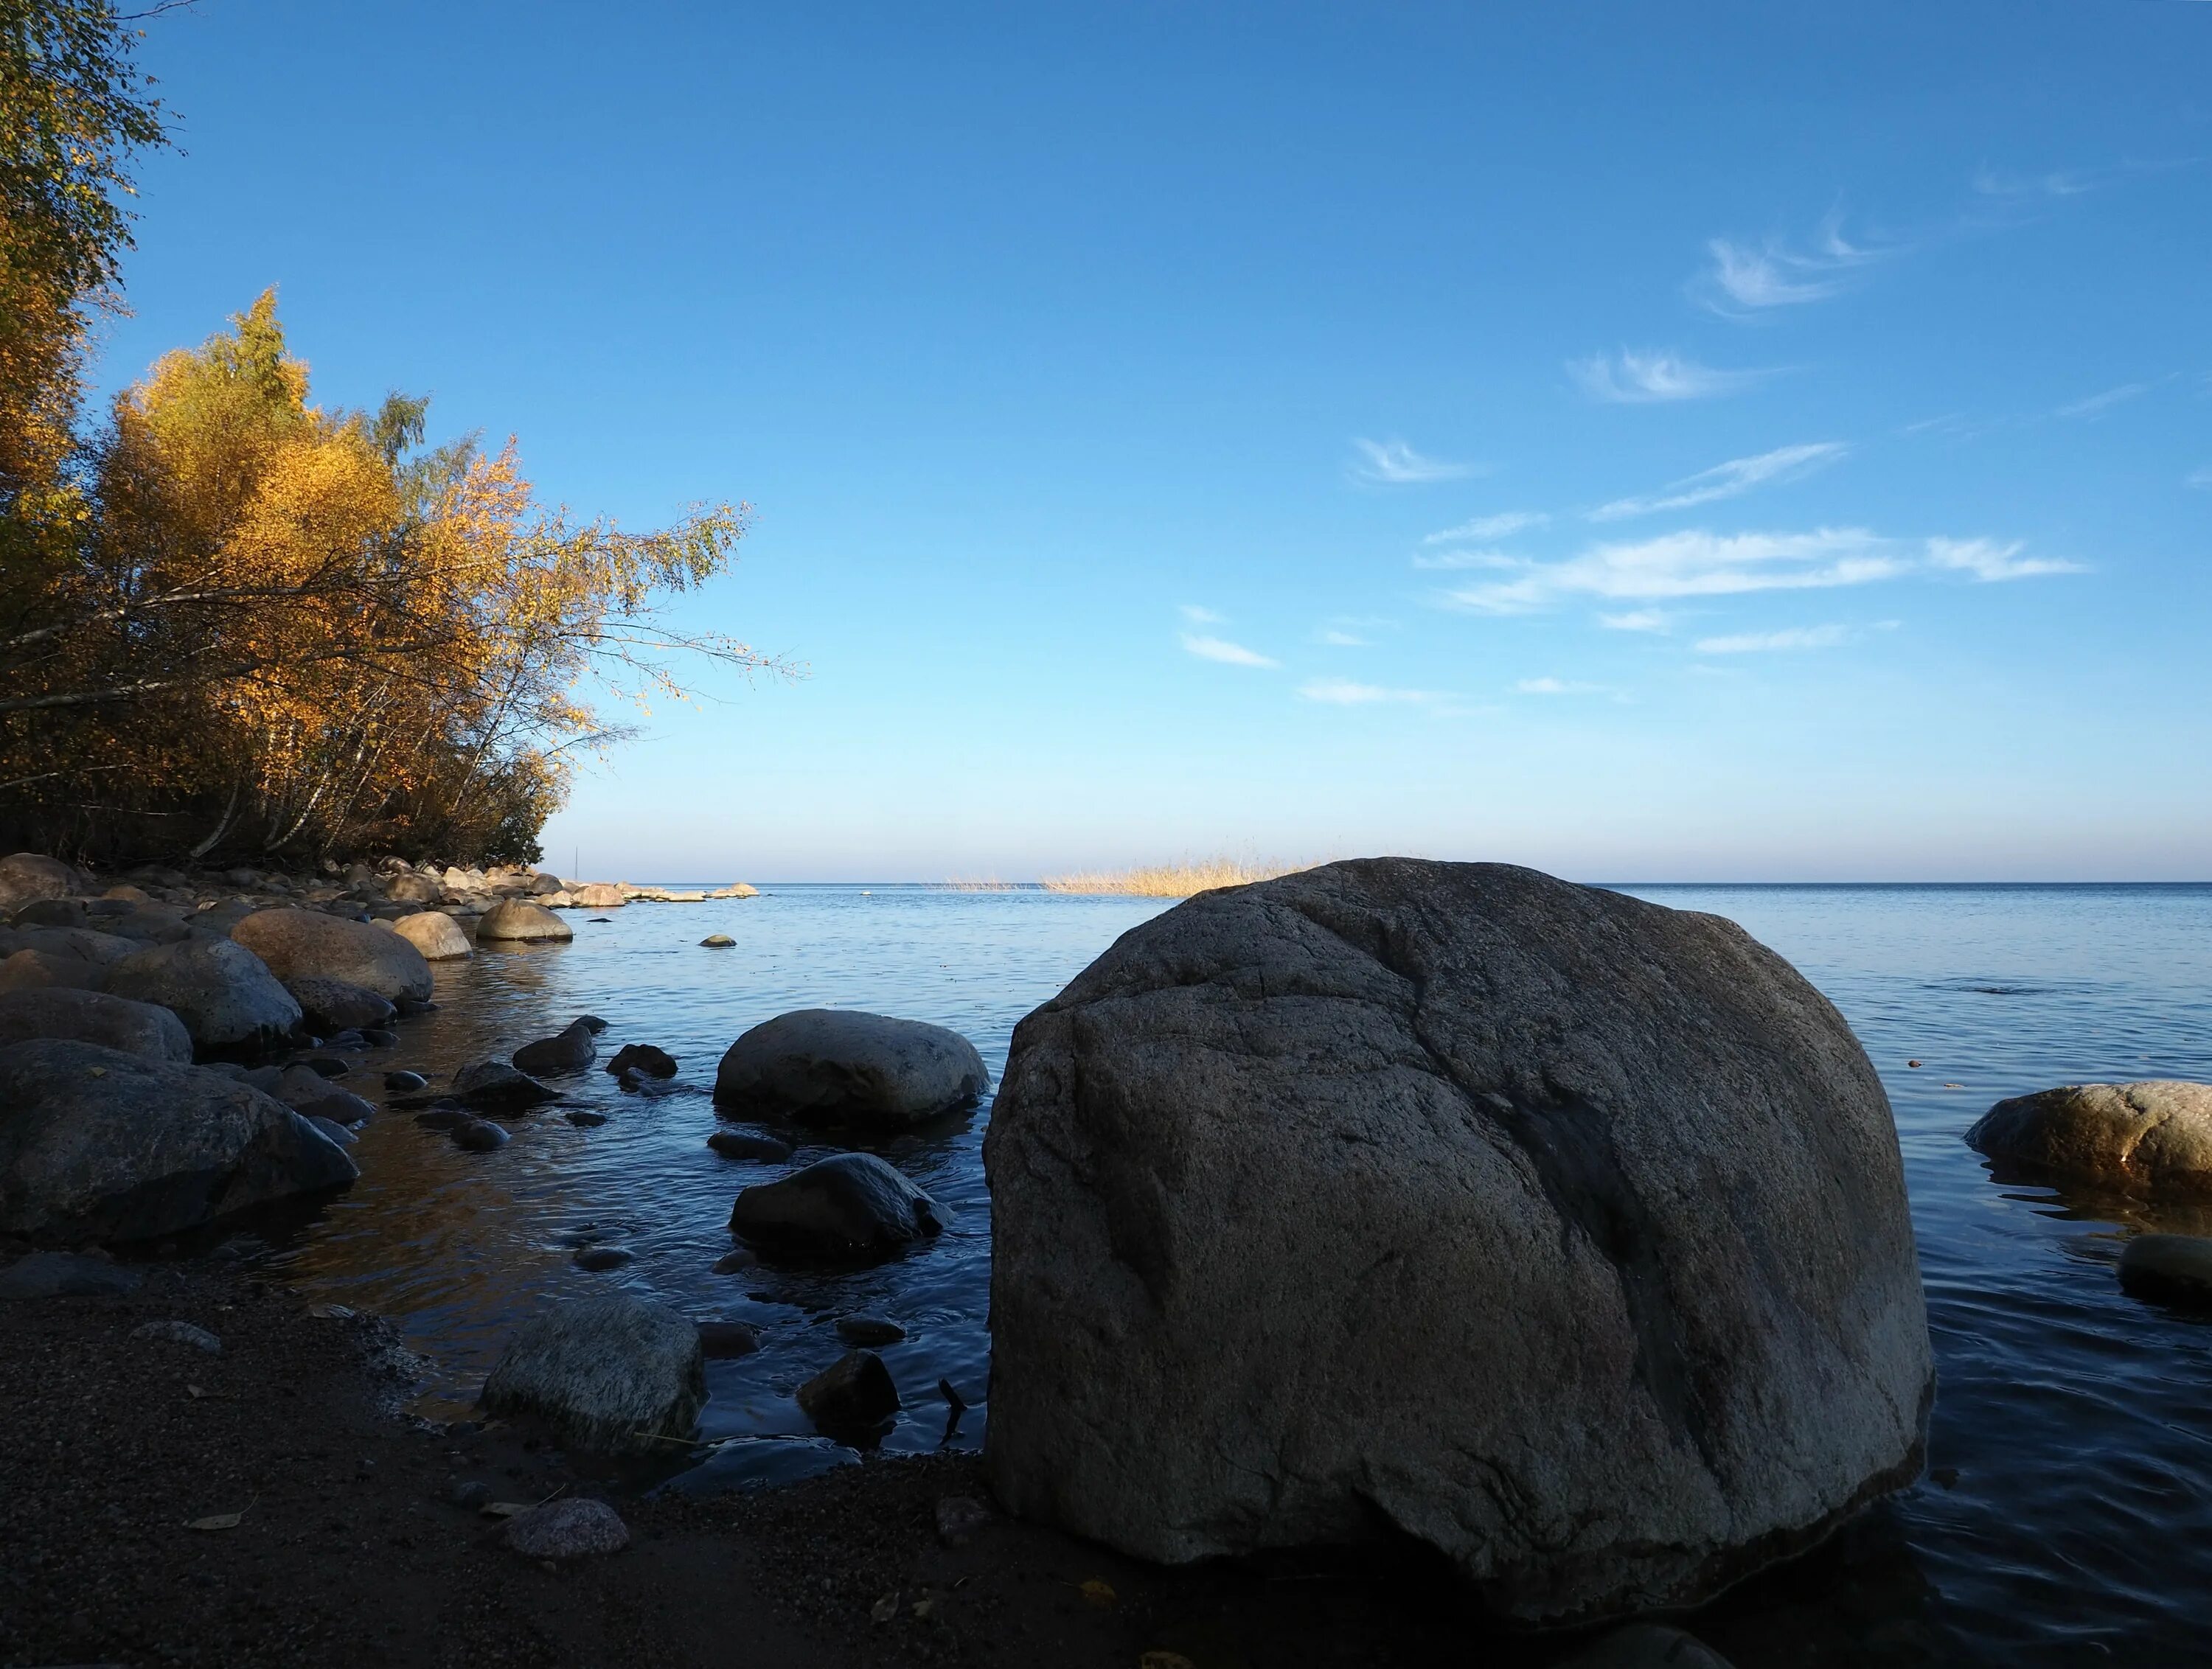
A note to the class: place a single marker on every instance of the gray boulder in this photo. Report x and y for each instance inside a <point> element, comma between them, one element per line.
<point>1561,1231</point>
<point>27,876</point>
<point>93,1016</point>
<point>853,1204</point>
<point>98,1145</point>
<point>610,1374</point>
<point>514,920</point>
<point>226,996</point>
<point>2154,1136</point>
<point>337,1005</point>
<point>308,944</point>
<point>436,935</point>
<point>840,1066</point>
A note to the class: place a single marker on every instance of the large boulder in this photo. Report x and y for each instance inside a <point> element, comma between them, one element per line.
<point>98,1145</point>
<point>433,932</point>
<point>513,919</point>
<point>93,1016</point>
<point>850,1205</point>
<point>842,1067</point>
<point>1561,1231</point>
<point>27,876</point>
<point>308,944</point>
<point>228,998</point>
<point>610,1374</point>
<point>2154,1136</point>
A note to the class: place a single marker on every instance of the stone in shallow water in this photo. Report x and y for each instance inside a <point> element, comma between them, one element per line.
<point>744,1145</point>
<point>854,1394</point>
<point>842,1067</point>
<point>722,1340</point>
<point>406,1084</point>
<point>480,1136</point>
<point>567,1529</point>
<point>596,1259</point>
<point>853,1204</point>
<point>2156,1135</point>
<point>646,1057</point>
<point>493,1083</point>
<point>2175,1269</point>
<point>569,1050</point>
<point>869,1330</point>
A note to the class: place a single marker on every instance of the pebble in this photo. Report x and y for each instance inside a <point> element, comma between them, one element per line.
<point>406,1084</point>
<point>180,1332</point>
<point>869,1330</point>
<point>567,1529</point>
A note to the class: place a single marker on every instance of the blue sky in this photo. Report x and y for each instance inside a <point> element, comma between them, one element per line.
<point>1712,442</point>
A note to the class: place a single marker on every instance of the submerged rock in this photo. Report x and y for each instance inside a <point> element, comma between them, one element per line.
<point>840,1066</point>
<point>853,1204</point>
<point>92,1017</point>
<point>226,996</point>
<point>98,1145</point>
<point>308,944</point>
<point>744,1145</point>
<point>1559,1230</point>
<point>2156,1135</point>
<point>568,1051</point>
<point>2175,1269</point>
<point>720,1341</point>
<point>512,919</point>
<point>609,1374</point>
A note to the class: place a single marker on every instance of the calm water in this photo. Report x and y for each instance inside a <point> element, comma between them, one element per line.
<point>2068,1514</point>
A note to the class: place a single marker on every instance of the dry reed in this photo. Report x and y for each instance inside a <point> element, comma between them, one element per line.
<point>1170,880</point>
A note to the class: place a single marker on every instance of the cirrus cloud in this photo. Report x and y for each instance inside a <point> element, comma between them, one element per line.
<point>1394,464</point>
<point>1729,480</point>
<point>1645,376</point>
<point>1225,652</point>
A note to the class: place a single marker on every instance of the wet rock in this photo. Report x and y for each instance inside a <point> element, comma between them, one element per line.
<point>340,1107</point>
<point>2154,1136</point>
<point>302,945</point>
<point>178,1332</point>
<point>295,1085</point>
<point>349,1040</point>
<point>840,1066</point>
<point>325,1066</point>
<point>66,1275</point>
<point>854,1395</point>
<point>27,877</point>
<point>721,1341</point>
<point>591,1022</point>
<point>744,1145</point>
<point>2174,1268</point>
<point>570,1050</point>
<point>512,920</point>
<point>1647,1646</point>
<point>596,1259</point>
<point>609,1374</point>
<point>330,1127</point>
<point>717,942</point>
<point>853,1204</point>
<point>735,1262</point>
<point>445,1117</point>
<point>644,1057</point>
<point>98,1145</point>
<point>493,1083</point>
<point>92,1017</point>
<point>583,1119</point>
<point>480,1136</point>
<point>1473,1188</point>
<point>436,935</point>
<point>228,1000</point>
<point>337,1005</point>
<point>958,1518</point>
<point>869,1330</point>
<point>409,1008</point>
<point>572,1527</point>
<point>406,1084</point>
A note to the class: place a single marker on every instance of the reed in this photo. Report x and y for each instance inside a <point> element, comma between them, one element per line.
<point>1170,880</point>
<point>976,883</point>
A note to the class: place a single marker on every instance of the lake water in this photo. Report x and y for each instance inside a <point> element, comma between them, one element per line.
<point>2067,1517</point>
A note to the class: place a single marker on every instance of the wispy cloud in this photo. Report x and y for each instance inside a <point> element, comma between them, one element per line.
<point>1345,692</point>
<point>1198,617</point>
<point>2200,477</point>
<point>1987,559</point>
<point>1643,376</point>
<point>2098,404</point>
<point>2059,183</point>
<point>1447,560</point>
<point>1747,278</point>
<point>1789,637</point>
<point>1503,525</point>
<point>1394,464</point>
<point>1636,620</point>
<point>1729,480</point>
<point>1559,687</point>
<point>1228,653</point>
<point>1337,638</point>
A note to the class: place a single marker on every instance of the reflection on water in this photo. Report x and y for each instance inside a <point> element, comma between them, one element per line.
<point>2066,1517</point>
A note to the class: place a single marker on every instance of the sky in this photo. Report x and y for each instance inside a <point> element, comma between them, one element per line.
<point>1751,441</point>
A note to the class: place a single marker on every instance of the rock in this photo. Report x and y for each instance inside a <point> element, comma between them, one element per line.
<point>332,1128</point>
<point>717,942</point>
<point>643,1058</point>
<point>1647,1646</point>
<point>436,935</point>
<point>744,1145</point>
<point>149,926</point>
<point>1562,1231</point>
<point>411,889</point>
<point>339,1107</point>
<point>40,970</point>
<point>511,920</point>
<point>721,1341</point>
<point>862,1330</point>
<point>66,1275</point>
<point>854,1395</point>
<point>610,1374</point>
<point>180,1332</point>
<point>298,1084</point>
<point>445,1117</point>
<point>571,1528</point>
<point>300,944</point>
<point>958,1518</point>
<point>26,877</point>
<point>599,895</point>
<point>2156,1136</point>
<point>378,1037</point>
<point>53,913</point>
<point>92,1017</point>
<point>337,1005</point>
<point>591,1022</point>
<point>584,1119</point>
<point>851,1205</point>
<point>409,1007</point>
<point>840,1066</point>
<point>2176,1269</point>
<point>568,1051</point>
<point>480,1136</point>
<point>493,1083</point>
<point>226,996</point>
<point>596,1259</point>
<point>328,1066</point>
<point>542,883</point>
<point>406,1084</point>
<point>80,943</point>
<point>98,1145</point>
<point>471,1493</point>
<point>735,1262</point>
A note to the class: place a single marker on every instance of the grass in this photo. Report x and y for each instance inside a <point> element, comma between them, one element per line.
<point>1170,880</point>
